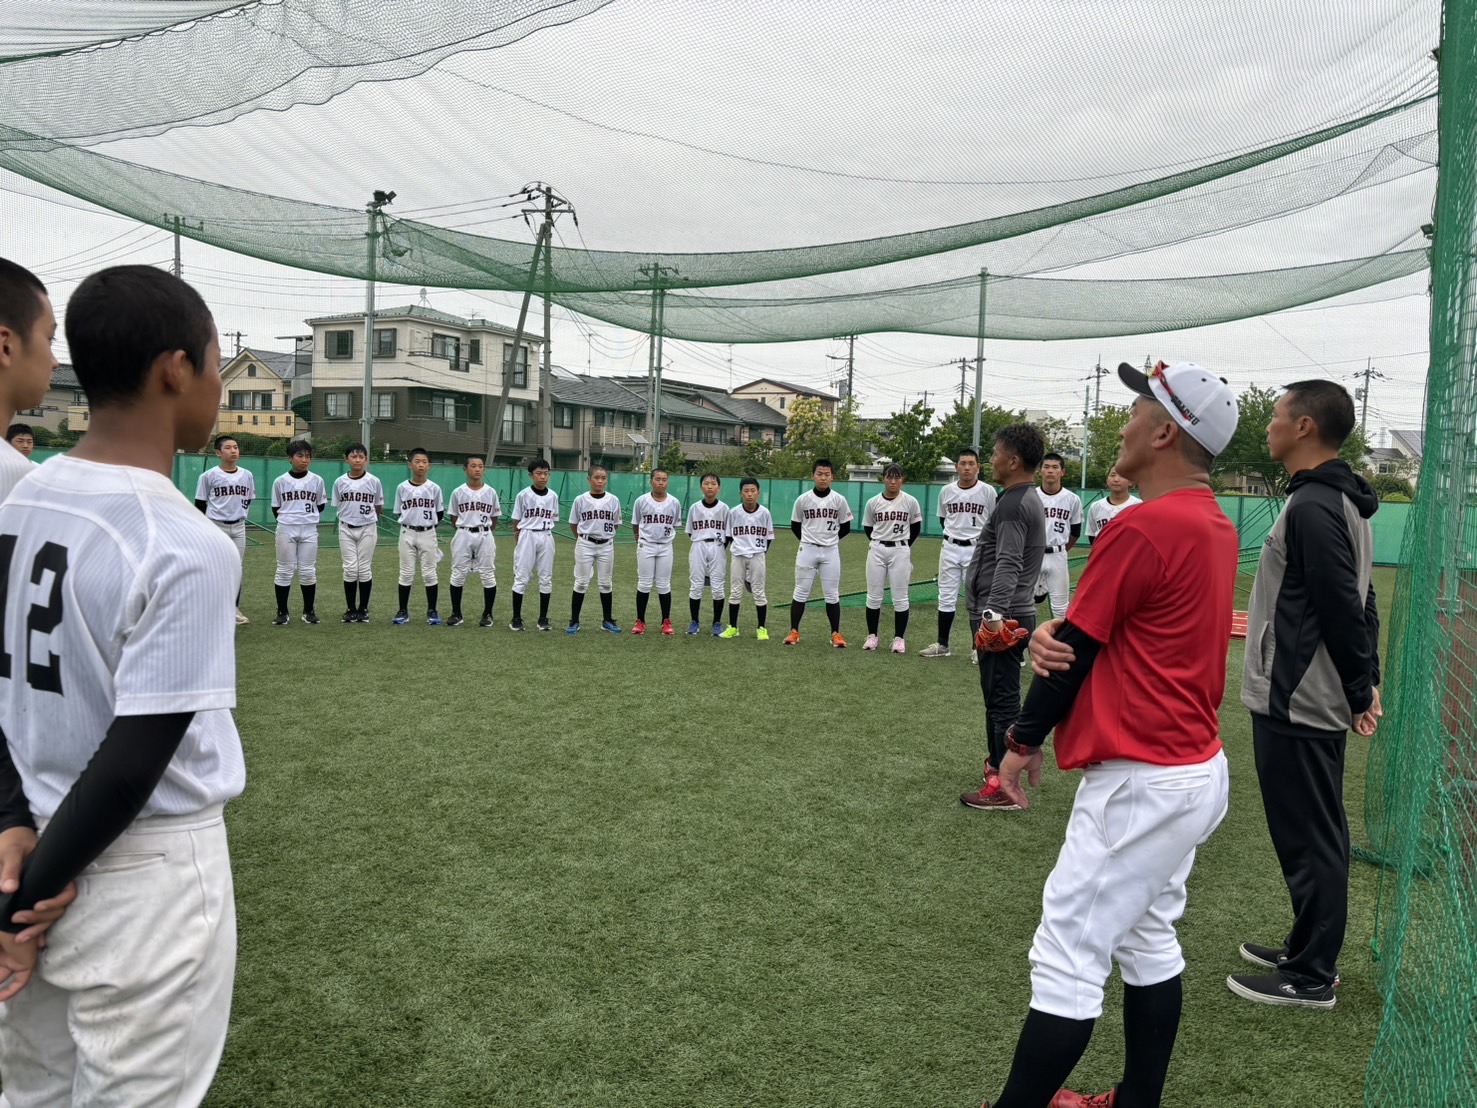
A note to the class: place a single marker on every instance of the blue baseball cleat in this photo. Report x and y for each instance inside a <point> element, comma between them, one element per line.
<point>693,628</point>
<point>612,626</point>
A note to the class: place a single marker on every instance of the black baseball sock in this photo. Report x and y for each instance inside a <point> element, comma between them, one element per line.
<point>1151,1020</point>
<point>431,593</point>
<point>456,599</point>
<point>946,624</point>
<point>797,613</point>
<point>404,598</point>
<point>351,595</point>
<point>641,599</point>
<point>543,606</point>
<point>874,619</point>
<point>489,598</point>
<point>517,606</point>
<point>283,593</point>
<point>695,606</point>
<point>733,610</point>
<point>310,597</point>
<point>717,609</point>
<point>761,613</point>
<point>1048,1050</point>
<point>607,607</point>
<point>364,587</point>
<point>576,602</point>
<point>833,613</point>
<point>900,622</point>
<point>664,599</point>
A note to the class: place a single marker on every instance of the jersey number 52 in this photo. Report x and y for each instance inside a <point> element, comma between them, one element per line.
<point>42,619</point>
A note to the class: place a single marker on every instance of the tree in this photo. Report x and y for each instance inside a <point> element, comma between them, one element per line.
<point>957,430</point>
<point>810,436</point>
<point>1387,485</point>
<point>672,459</point>
<point>1103,442</point>
<point>1247,452</point>
<point>848,443</point>
<point>907,440</point>
<point>807,427</point>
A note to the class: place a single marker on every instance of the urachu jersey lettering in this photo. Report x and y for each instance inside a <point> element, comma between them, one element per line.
<point>597,517</point>
<point>532,512</point>
<point>752,532</point>
<point>891,520</point>
<point>658,520</point>
<point>357,500</point>
<point>1063,510</point>
<point>419,505</point>
<point>704,522</point>
<point>226,495</point>
<point>475,508</point>
<point>821,517</point>
<point>966,511</point>
<point>299,499</point>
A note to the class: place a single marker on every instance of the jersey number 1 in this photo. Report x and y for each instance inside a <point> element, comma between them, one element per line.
<point>42,619</point>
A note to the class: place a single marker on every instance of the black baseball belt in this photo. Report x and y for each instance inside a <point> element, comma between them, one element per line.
<point>1055,549</point>
<point>890,542</point>
<point>477,530</point>
<point>962,542</point>
<point>355,526</point>
<point>707,540</point>
<point>597,542</point>
<point>409,527</point>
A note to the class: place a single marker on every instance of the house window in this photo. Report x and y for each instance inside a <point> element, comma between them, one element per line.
<point>240,420</point>
<point>633,421</point>
<point>79,397</point>
<point>339,344</point>
<point>515,424</point>
<point>563,415</point>
<point>251,369</point>
<point>385,340</point>
<point>336,405</point>
<point>255,420</point>
<point>782,403</point>
<point>520,368</point>
<point>271,421</point>
<point>446,346</point>
<point>605,418</point>
<point>250,401</point>
<point>384,405</point>
<point>474,351</point>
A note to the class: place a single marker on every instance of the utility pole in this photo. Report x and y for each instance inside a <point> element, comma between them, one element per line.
<point>963,369</point>
<point>238,336</point>
<point>177,222</point>
<point>850,361</point>
<point>979,359</point>
<point>1086,402</point>
<point>1362,395</point>
<point>1098,372</point>
<point>372,233</point>
<point>657,274</point>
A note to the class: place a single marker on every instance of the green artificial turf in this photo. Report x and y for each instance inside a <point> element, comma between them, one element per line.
<point>480,868</point>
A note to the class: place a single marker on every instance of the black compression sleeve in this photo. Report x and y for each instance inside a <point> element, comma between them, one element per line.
<point>200,504</point>
<point>1076,532</point>
<point>274,513</point>
<point>914,530</point>
<point>795,527</point>
<point>15,810</point>
<point>1050,699</point>
<point>103,801</point>
<point>846,529</point>
<point>867,531</point>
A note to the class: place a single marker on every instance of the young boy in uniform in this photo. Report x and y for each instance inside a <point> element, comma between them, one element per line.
<point>22,437</point>
<point>117,720</point>
<point>964,506</point>
<point>893,521</point>
<point>750,535</point>
<point>1104,512</point>
<point>224,493</point>
<point>707,527</point>
<point>27,331</point>
<point>654,521</point>
<point>595,520</point>
<point>419,508</point>
<point>360,500</point>
<point>475,510</point>
<point>535,515</point>
<point>1063,510</point>
<point>298,500</point>
<point>821,519</point>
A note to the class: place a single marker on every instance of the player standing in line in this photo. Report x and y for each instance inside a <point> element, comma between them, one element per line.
<point>224,493</point>
<point>750,535</point>
<point>595,520</point>
<point>1063,510</point>
<point>1132,683</point>
<point>707,527</point>
<point>964,506</point>
<point>419,508</point>
<point>1104,512</point>
<point>27,330</point>
<point>893,521</point>
<point>1007,561</point>
<point>821,519</point>
<point>22,437</point>
<point>535,515</point>
<point>117,722</point>
<point>655,521</point>
<point>474,511</point>
<point>360,500</point>
<point>298,500</point>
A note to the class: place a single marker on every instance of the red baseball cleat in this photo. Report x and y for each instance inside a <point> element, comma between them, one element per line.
<point>638,628</point>
<point>667,627</point>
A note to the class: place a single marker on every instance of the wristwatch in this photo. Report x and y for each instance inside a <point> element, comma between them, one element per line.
<point>1017,747</point>
<point>989,615</point>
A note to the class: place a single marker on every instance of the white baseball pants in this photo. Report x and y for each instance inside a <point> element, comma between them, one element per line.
<point>953,565</point>
<point>654,567</point>
<point>297,552</point>
<point>131,1000</point>
<point>889,567</point>
<point>356,545</point>
<point>473,552</point>
<point>418,548</point>
<point>814,560</point>
<point>236,532</point>
<point>590,559</point>
<point>749,570</point>
<point>534,554</point>
<point>1056,582</point>
<point>1119,882</point>
<point>705,568</point>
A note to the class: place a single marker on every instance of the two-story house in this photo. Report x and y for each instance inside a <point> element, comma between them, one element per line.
<point>437,381</point>
<point>64,394</point>
<point>779,395</point>
<point>603,419</point>
<point>256,395</point>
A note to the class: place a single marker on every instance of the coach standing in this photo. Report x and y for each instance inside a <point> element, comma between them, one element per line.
<point>1312,671</point>
<point>1132,681</point>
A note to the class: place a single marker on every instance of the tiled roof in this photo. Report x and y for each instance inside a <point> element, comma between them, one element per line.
<point>65,377</point>
<point>803,390</point>
<point>596,392</point>
<point>1413,441</point>
<point>751,412</point>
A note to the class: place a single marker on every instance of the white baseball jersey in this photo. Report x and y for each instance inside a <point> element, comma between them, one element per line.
<point>704,522</point>
<point>419,505</point>
<point>891,520</point>
<point>532,512</point>
<point>821,517</point>
<point>1104,512</point>
<point>13,468</point>
<point>299,499</point>
<point>226,495</point>
<point>965,511</point>
<point>659,520</point>
<point>597,517</point>
<point>475,508</point>
<point>752,532</point>
<point>356,501</point>
<point>121,602</point>
<point>1063,511</point>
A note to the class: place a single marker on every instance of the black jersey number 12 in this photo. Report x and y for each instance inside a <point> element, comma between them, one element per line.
<point>42,619</point>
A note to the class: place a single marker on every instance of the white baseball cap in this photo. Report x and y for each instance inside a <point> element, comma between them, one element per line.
<point>1199,401</point>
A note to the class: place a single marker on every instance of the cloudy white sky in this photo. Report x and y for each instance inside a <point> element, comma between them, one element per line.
<point>690,125</point>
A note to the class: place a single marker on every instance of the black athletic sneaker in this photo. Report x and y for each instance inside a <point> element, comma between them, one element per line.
<point>351,616</point>
<point>486,620</point>
<point>282,620</point>
<point>455,621</point>
<point>310,616</point>
<point>544,625</point>
<point>1271,957</point>
<point>362,616</point>
<point>516,625</point>
<point>1273,988</point>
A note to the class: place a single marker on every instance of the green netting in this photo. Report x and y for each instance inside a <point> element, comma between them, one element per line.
<point>1421,798</point>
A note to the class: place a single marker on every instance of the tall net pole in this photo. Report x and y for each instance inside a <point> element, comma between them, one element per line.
<point>979,359</point>
<point>371,238</point>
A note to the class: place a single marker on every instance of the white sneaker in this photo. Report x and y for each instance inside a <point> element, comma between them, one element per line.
<point>241,617</point>
<point>974,657</point>
<point>871,643</point>
<point>898,646</point>
<point>937,650</point>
